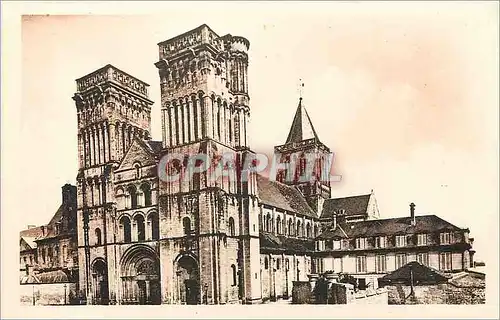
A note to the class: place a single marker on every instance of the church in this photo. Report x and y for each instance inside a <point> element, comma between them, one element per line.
<point>144,240</point>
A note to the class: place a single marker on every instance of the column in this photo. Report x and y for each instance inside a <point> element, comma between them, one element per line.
<point>164,128</point>
<point>112,141</point>
<point>92,146</point>
<point>98,142</point>
<point>191,119</point>
<point>81,151</point>
<point>207,114</point>
<point>196,118</point>
<point>178,124</point>
<point>106,141</point>
<point>247,118</point>
<point>170,126</point>
<point>224,122</point>
<point>187,123</point>
<point>242,126</point>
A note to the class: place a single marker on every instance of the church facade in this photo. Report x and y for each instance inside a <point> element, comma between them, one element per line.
<point>243,238</point>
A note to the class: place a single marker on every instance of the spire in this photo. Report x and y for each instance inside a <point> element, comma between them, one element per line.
<point>302,127</point>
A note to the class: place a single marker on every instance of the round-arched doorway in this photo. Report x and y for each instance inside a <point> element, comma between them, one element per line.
<point>100,282</point>
<point>187,280</point>
<point>140,270</point>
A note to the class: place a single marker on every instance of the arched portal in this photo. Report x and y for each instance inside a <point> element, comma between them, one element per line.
<point>100,282</point>
<point>140,270</point>
<point>187,280</point>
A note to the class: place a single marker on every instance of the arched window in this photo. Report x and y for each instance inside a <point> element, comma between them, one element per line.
<point>308,230</point>
<point>278,264</point>
<point>141,230</point>
<point>290,227</point>
<point>146,190</point>
<point>235,274</point>
<point>315,231</point>
<point>120,198</point>
<point>231,226</point>
<point>299,229</point>
<point>186,223</point>
<point>154,223</point>
<point>137,168</point>
<point>126,229</point>
<point>266,263</point>
<point>98,239</point>
<point>133,197</point>
<point>278,225</point>
<point>269,223</point>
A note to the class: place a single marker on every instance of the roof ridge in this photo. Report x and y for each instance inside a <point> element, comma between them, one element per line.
<point>359,195</point>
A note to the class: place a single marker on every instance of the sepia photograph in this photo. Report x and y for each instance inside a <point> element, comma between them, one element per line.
<point>276,154</point>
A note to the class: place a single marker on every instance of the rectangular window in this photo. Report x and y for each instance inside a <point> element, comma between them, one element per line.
<point>445,238</point>
<point>401,241</point>
<point>421,239</point>
<point>423,258</point>
<point>336,244</point>
<point>400,260</point>
<point>360,243</point>
<point>381,242</point>
<point>361,264</point>
<point>380,264</point>
<point>445,261</point>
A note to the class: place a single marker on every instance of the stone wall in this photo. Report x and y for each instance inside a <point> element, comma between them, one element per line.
<point>437,294</point>
<point>48,294</point>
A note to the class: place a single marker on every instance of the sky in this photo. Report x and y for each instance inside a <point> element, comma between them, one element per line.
<point>406,96</point>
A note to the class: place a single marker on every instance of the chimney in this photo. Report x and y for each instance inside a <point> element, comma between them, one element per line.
<point>412,213</point>
<point>43,230</point>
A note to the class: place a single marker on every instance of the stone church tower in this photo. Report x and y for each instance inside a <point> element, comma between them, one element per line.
<point>112,108</point>
<point>303,142</point>
<point>209,226</point>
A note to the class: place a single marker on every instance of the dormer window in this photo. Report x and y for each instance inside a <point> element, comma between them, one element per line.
<point>336,244</point>
<point>360,243</point>
<point>401,241</point>
<point>381,242</point>
<point>421,239</point>
<point>445,238</point>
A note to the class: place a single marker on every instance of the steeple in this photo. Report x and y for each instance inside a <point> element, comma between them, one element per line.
<point>301,143</point>
<point>302,127</point>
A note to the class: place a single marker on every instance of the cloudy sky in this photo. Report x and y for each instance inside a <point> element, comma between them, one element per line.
<point>404,94</point>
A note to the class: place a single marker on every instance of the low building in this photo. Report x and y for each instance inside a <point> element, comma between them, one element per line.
<point>370,249</point>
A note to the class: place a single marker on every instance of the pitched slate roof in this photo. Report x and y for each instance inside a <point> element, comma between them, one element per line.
<point>282,196</point>
<point>30,242</point>
<point>155,146</point>
<point>31,232</point>
<point>371,228</point>
<point>354,205</point>
<point>421,275</point>
<point>302,127</point>
<point>271,242</point>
